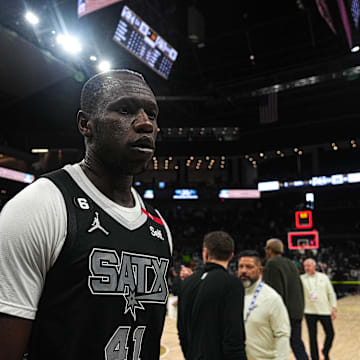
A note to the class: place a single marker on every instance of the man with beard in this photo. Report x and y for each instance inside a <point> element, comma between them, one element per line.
<point>267,325</point>
<point>83,260</point>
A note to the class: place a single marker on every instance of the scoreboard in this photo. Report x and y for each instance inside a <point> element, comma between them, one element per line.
<point>136,36</point>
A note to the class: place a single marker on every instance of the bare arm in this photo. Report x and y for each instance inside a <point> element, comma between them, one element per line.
<point>14,337</point>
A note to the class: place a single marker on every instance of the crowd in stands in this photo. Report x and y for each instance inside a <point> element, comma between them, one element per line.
<point>338,255</point>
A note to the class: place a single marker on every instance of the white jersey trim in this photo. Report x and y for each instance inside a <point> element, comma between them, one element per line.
<point>131,218</point>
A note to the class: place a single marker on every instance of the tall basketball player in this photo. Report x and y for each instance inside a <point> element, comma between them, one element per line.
<point>83,260</point>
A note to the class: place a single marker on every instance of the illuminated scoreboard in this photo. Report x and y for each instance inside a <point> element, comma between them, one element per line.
<point>303,219</point>
<point>142,41</point>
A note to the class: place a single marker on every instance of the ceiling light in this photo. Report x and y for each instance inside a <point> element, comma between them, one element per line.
<point>104,66</point>
<point>39,151</point>
<point>296,149</point>
<point>355,48</point>
<point>93,58</point>
<point>69,43</point>
<point>31,18</point>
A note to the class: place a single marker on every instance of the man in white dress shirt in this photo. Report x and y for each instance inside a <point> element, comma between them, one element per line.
<point>267,324</point>
<point>320,305</point>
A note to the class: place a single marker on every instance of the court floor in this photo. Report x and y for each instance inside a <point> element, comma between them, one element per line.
<point>346,344</point>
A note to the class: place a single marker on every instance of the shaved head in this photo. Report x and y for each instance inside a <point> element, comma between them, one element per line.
<point>101,88</point>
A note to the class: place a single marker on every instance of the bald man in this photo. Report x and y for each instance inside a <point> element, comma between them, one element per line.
<point>83,259</point>
<point>282,275</point>
<point>320,305</point>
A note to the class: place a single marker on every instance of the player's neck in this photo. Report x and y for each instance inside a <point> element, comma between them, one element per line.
<point>116,188</point>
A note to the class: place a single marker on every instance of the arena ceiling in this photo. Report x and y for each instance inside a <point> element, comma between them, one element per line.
<point>280,57</point>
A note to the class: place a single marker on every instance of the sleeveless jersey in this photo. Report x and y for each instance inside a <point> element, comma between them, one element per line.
<point>105,297</point>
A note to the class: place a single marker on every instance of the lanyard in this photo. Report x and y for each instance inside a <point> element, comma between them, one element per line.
<point>251,307</point>
<point>311,283</point>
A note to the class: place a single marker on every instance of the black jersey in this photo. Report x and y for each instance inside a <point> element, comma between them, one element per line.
<point>105,297</point>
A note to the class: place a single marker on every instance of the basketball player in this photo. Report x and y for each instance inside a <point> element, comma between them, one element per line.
<point>210,307</point>
<point>83,260</point>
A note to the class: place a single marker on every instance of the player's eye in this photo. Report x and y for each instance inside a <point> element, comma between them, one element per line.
<point>123,110</point>
<point>152,115</point>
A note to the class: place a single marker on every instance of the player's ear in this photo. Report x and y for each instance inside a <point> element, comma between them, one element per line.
<point>84,124</point>
<point>261,270</point>
<point>205,254</point>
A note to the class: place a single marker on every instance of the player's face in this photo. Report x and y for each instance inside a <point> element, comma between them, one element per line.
<point>310,267</point>
<point>248,270</point>
<point>126,128</point>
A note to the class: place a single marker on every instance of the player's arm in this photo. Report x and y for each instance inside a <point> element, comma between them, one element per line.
<point>14,336</point>
<point>29,235</point>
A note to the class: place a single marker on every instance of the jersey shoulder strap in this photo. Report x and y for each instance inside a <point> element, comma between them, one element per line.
<point>64,183</point>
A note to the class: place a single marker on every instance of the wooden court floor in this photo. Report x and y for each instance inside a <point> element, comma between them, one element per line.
<point>346,345</point>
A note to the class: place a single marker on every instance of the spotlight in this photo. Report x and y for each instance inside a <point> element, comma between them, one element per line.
<point>69,43</point>
<point>104,66</point>
<point>31,18</point>
<point>93,58</point>
<point>355,48</point>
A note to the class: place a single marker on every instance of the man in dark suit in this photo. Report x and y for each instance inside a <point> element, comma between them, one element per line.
<point>282,275</point>
<point>210,308</point>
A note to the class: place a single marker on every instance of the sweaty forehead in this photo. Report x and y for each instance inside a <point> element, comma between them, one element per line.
<point>113,88</point>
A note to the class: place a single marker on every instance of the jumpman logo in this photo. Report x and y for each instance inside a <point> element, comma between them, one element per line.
<point>96,225</point>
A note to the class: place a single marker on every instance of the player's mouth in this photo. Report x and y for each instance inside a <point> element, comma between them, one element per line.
<point>144,145</point>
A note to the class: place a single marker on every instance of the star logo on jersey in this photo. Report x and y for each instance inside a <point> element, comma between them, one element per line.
<point>132,304</point>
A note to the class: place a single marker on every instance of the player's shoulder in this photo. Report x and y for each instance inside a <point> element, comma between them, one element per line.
<point>39,193</point>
